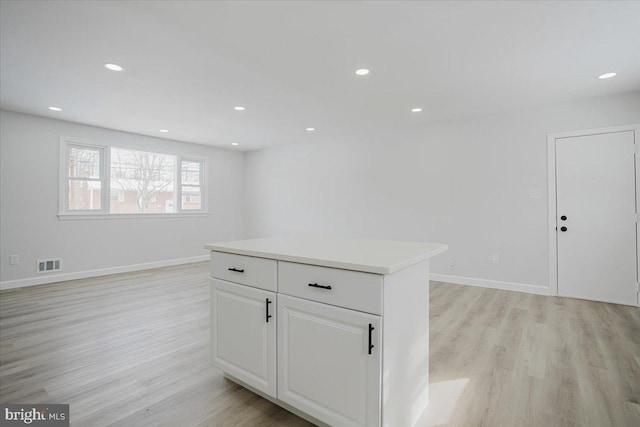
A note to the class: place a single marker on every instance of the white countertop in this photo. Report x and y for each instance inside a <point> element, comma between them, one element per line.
<point>371,256</point>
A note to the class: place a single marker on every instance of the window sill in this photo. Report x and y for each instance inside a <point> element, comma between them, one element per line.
<point>72,216</point>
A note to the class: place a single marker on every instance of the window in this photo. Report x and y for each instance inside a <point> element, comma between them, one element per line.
<point>100,180</point>
<point>142,176</point>
<point>191,184</point>
<point>84,177</point>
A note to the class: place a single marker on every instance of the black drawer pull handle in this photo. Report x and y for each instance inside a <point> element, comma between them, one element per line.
<point>268,315</point>
<point>315,285</point>
<point>236,270</point>
<point>371,328</point>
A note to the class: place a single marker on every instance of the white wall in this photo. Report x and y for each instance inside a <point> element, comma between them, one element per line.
<point>29,226</point>
<point>463,182</point>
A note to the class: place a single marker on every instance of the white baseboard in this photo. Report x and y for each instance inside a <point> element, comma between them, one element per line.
<point>41,280</point>
<point>493,284</point>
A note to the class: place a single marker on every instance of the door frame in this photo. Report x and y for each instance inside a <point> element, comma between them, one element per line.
<point>552,197</point>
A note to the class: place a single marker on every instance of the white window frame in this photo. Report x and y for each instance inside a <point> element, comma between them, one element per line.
<point>64,178</point>
<point>202,185</point>
<point>105,173</point>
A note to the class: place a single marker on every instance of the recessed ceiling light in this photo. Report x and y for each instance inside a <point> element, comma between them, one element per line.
<point>416,110</point>
<point>606,76</point>
<point>113,67</point>
<point>362,72</point>
<point>239,108</point>
<point>311,129</point>
<point>164,130</point>
<point>55,108</point>
<point>234,143</point>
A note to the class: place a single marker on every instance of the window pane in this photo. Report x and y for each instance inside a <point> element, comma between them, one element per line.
<point>84,162</point>
<point>191,172</point>
<point>146,181</point>
<point>191,198</point>
<point>84,195</point>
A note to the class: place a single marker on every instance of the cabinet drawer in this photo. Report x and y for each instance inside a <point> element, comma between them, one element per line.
<point>343,288</point>
<point>257,272</point>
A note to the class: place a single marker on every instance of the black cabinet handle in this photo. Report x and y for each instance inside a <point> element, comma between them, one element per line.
<point>268,315</point>
<point>563,228</point>
<point>371,328</point>
<point>236,270</point>
<point>315,285</point>
<point>563,217</point>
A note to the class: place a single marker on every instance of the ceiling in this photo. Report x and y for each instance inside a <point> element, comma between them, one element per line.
<point>291,64</point>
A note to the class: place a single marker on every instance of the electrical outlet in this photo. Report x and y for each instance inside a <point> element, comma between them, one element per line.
<point>535,193</point>
<point>452,265</point>
<point>495,259</point>
<point>14,259</point>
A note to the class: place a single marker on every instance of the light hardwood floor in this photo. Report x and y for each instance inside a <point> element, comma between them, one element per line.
<point>132,350</point>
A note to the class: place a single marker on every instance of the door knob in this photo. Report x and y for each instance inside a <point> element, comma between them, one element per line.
<point>563,228</point>
<point>563,217</point>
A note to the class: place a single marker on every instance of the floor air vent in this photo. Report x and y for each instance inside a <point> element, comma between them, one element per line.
<point>48,265</point>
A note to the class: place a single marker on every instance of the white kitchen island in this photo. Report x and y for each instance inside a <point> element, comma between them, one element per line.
<point>334,330</point>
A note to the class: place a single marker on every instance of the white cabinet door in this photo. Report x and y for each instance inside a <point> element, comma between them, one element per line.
<point>326,366</point>
<point>243,338</point>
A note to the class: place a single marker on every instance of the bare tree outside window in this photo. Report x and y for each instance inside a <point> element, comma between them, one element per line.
<point>146,180</point>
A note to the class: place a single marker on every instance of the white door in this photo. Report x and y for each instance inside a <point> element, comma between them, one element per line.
<point>243,337</point>
<point>596,217</point>
<point>326,366</point>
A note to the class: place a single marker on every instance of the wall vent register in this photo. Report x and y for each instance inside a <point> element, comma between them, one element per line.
<point>48,265</point>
